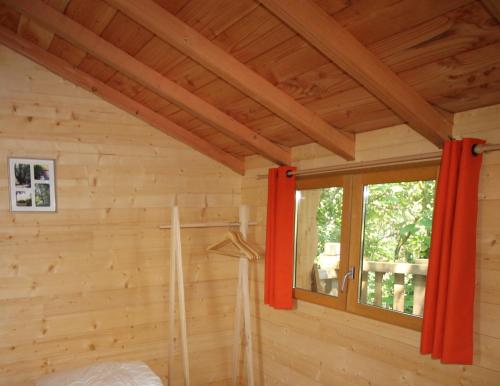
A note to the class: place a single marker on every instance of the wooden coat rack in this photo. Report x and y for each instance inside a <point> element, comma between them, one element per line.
<point>246,253</point>
<point>176,277</point>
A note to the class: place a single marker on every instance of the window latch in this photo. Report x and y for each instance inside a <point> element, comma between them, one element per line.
<point>348,274</point>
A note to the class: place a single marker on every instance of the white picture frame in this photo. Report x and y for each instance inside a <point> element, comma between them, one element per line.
<point>32,185</point>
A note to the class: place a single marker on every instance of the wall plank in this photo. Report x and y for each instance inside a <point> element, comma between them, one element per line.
<point>313,345</point>
<point>90,282</point>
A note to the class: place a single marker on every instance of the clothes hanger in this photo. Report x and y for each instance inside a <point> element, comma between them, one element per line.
<point>245,245</point>
<point>235,238</point>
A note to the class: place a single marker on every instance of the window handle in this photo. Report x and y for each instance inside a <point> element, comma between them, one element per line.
<point>348,274</point>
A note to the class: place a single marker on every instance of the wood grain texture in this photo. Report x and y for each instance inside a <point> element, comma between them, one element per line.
<point>493,7</point>
<point>315,345</point>
<point>317,27</point>
<point>79,78</point>
<point>90,282</point>
<point>431,32</point>
<point>194,44</point>
<point>433,47</point>
<point>138,72</point>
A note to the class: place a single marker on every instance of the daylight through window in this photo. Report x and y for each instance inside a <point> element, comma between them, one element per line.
<point>363,240</point>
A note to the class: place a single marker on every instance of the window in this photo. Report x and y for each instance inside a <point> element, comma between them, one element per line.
<point>362,241</point>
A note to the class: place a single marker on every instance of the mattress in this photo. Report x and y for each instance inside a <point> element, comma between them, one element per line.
<point>104,374</point>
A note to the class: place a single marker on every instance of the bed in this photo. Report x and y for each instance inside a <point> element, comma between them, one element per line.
<point>104,374</point>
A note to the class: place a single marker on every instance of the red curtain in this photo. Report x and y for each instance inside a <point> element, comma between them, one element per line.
<point>447,331</point>
<point>280,238</point>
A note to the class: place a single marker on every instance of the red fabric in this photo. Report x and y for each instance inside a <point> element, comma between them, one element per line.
<point>447,330</point>
<point>280,238</point>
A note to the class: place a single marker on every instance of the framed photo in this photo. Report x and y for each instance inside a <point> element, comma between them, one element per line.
<point>32,185</point>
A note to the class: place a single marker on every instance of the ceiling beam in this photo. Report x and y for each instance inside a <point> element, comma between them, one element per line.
<point>82,79</point>
<point>151,79</point>
<point>338,44</point>
<point>190,42</point>
<point>493,7</point>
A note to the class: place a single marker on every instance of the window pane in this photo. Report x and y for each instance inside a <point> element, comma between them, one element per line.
<point>317,240</point>
<point>397,222</point>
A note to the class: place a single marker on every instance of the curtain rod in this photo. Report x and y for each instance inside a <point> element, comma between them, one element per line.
<point>480,149</point>
<point>404,160</point>
<point>213,224</point>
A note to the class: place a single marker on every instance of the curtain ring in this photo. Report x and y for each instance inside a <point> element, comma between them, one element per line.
<point>475,150</point>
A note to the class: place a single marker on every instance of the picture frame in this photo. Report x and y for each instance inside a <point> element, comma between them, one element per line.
<point>32,184</point>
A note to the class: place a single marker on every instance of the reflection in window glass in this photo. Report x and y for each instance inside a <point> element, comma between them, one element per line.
<point>397,222</point>
<point>317,245</point>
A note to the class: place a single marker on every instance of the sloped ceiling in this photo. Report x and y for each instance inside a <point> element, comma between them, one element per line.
<point>235,78</point>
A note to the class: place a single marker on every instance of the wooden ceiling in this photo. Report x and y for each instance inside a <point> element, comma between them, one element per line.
<point>233,78</point>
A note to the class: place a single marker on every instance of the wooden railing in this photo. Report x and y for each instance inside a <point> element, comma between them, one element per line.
<point>419,272</point>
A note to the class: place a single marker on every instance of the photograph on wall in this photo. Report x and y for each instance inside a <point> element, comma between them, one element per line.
<point>22,172</point>
<point>41,172</point>
<point>23,198</point>
<point>32,185</point>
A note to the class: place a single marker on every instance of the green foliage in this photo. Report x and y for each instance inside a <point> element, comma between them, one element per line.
<point>329,217</point>
<point>397,228</point>
<point>23,174</point>
<point>42,195</point>
<point>398,221</point>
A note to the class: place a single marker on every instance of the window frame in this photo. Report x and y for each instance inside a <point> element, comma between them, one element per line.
<point>353,183</point>
<point>318,182</point>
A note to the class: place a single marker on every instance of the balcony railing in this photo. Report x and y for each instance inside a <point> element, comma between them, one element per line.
<point>419,272</point>
<point>328,282</point>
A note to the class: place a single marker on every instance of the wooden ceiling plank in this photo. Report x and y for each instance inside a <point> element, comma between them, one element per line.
<point>9,18</point>
<point>139,72</point>
<point>151,100</point>
<point>493,7</point>
<point>125,85</point>
<point>60,5</point>
<point>253,26</point>
<point>92,14</point>
<point>195,45</point>
<point>317,27</point>
<point>260,32</point>
<point>333,6</point>
<point>173,6</point>
<point>442,36</point>
<point>167,60</point>
<point>160,56</point>
<point>473,98</point>
<point>478,68</point>
<point>372,21</point>
<point>126,34</point>
<point>407,49</point>
<point>34,32</point>
<point>362,18</point>
<point>460,30</point>
<point>63,49</point>
<point>189,74</point>
<point>465,29</point>
<point>211,18</point>
<point>94,67</point>
<point>78,77</point>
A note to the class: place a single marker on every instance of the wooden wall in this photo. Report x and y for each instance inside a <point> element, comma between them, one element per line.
<point>90,281</point>
<point>313,345</point>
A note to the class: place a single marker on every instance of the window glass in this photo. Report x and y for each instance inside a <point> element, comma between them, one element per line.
<point>396,231</point>
<point>318,235</point>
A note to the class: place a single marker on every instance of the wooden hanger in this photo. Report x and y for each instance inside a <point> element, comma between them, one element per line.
<point>235,238</point>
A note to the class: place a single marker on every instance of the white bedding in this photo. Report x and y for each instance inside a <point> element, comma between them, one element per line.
<point>104,374</point>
